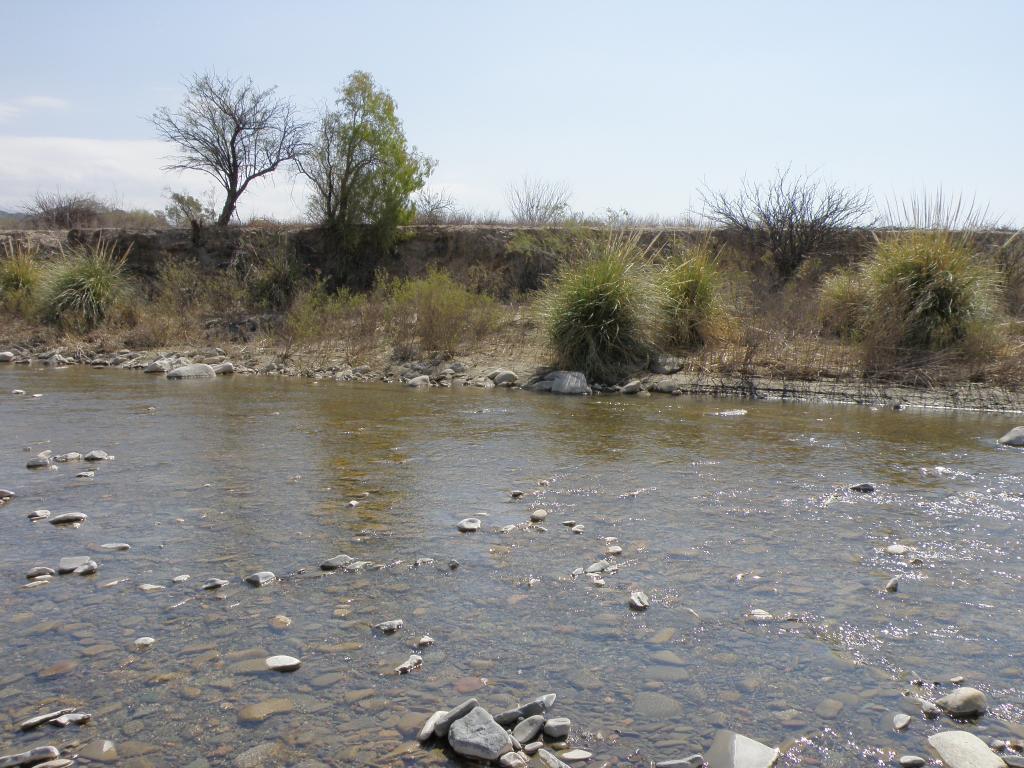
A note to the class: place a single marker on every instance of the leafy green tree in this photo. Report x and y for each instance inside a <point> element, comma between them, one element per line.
<point>363,174</point>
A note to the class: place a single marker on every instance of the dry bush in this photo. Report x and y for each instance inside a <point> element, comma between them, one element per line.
<point>21,275</point>
<point>535,202</point>
<point>694,311</point>
<point>842,303</point>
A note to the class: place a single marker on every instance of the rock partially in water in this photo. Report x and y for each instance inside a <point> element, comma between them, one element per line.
<point>39,462</point>
<point>514,760</point>
<point>1015,438</point>
<point>893,584</point>
<point>261,578</point>
<point>64,458</point>
<point>116,546</point>
<point>31,757</point>
<point>576,755</point>
<point>5,495</point>
<point>143,643</point>
<point>538,515</point>
<point>693,761</point>
<point>503,376</point>
<point>69,518</point>
<point>194,371</point>
<point>639,601</point>
<point>427,731</point>
<point>150,588</point>
<point>413,662</point>
<point>901,721</point>
<point>6,357</point>
<point>389,627</point>
<point>158,366</point>
<point>283,663</point>
<point>224,369</point>
<point>550,760</point>
<point>87,473</point>
<point>35,722</point>
<point>469,524</point>
<point>97,456</point>
<point>556,727</point>
<point>963,702</point>
<point>444,723</point>
<point>897,549</point>
<point>862,488</point>
<point>424,641</point>
<point>527,730</point>
<point>336,562</point>
<point>39,570</point>
<point>72,718</point>
<point>912,761</point>
<point>733,750</point>
<point>418,381</point>
<point>477,735</point>
<point>69,564</point>
<point>210,584</point>
<point>960,749</point>
<point>38,514</point>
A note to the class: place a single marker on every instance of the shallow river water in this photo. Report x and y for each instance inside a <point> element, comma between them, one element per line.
<point>717,516</point>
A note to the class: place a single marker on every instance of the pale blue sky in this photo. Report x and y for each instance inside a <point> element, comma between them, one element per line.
<point>632,104</point>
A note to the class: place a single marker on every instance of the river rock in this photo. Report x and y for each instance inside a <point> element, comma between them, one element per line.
<point>336,562</point>
<point>87,568</point>
<point>550,760</point>
<point>69,564</point>
<point>893,584</point>
<point>963,702</point>
<point>656,706</point>
<point>912,761</point>
<point>1015,438</point>
<point>6,494</point>
<point>158,366</point>
<point>568,383</point>
<point>69,518</point>
<point>64,458</point>
<point>444,723</point>
<point>413,662</point>
<point>477,735</point>
<point>283,663</point>
<point>100,750</point>
<point>39,462</point>
<point>503,376</point>
<point>210,584</point>
<point>639,601</point>
<point>194,371</point>
<point>538,515</point>
<point>514,760</point>
<point>960,749</point>
<point>901,721</point>
<point>97,456</point>
<point>116,546</point>
<point>556,727</point>
<point>427,731</point>
<point>389,627</point>
<point>144,642</point>
<point>418,381</point>
<point>38,514</point>
<point>87,473</point>
<point>6,357</point>
<point>469,524</point>
<point>72,718</point>
<point>527,730</point>
<point>224,369</point>
<point>538,706</point>
<point>35,722</point>
<point>862,488</point>
<point>576,755</point>
<point>39,570</point>
<point>897,549</point>
<point>260,711</point>
<point>31,757</point>
<point>693,761</point>
<point>733,750</point>
<point>261,578</point>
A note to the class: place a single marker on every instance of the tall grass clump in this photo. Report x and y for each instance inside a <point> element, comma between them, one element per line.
<point>20,276</point>
<point>694,312</point>
<point>842,303</point>
<point>926,291</point>
<point>437,314</point>
<point>598,308</point>
<point>84,285</point>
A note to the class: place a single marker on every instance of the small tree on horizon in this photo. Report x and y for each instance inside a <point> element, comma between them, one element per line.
<point>231,130</point>
<point>362,172</point>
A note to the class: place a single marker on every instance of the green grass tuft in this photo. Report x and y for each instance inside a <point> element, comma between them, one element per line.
<point>694,312</point>
<point>842,303</point>
<point>81,288</point>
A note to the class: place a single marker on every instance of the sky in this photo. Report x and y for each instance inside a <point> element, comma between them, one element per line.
<point>633,105</point>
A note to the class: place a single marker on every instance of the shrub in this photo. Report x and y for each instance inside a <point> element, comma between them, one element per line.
<point>597,308</point>
<point>267,268</point>
<point>535,202</point>
<point>83,286</point>
<point>842,303</point>
<point>437,314</point>
<point>693,311</point>
<point>20,275</point>
<point>927,292</point>
<point>315,315</point>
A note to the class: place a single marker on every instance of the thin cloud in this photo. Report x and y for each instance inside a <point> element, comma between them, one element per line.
<point>11,109</point>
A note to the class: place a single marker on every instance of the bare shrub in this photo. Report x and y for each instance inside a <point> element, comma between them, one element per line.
<point>65,210</point>
<point>536,202</point>
<point>790,217</point>
<point>434,206</point>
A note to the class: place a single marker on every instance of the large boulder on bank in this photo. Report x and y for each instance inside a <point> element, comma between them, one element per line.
<point>733,750</point>
<point>960,749</point>
<point>568,383</point>
<point>194,371</point>
<point>1014,437</point>
<point>477,735</point>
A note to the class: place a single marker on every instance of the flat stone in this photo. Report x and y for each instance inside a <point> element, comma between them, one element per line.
<point>550,760</point>
<point>477,735</point>
<point>30,757</point>
<point>1015,438</point>
<point>194,371</point>
<point>469,524</point>
<point>69,564</point>
<point>72,718</point>
<point>282,663</point>
<point>897,549</point>
<point>444,723</point>
<point>912,761</point>
<point>213,584</point>
<point>963,702</point>
<point>35,722</point>
<point>960,749</point>
<point>413,662</point>
<point>733,750</point>
<point>97,456</point>
<point>39,570</point>
<point>149,588</point>
<point>576,755</point>
<point>514,760</point>
<point>389,627</point>
<point>69,518</point>
<point>336,562</point>
<point>693,761</point>
<point>100,750</point>
<point>862,488</point>
<point>901,721</point>
<point>260,711</point>
<point>427,731</point>
<point>528,729</point>
<point>261,578</point>
<point>116,546</point>
<point>60,762</point>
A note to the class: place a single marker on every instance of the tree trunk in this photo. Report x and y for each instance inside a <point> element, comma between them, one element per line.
<point>229,209</point>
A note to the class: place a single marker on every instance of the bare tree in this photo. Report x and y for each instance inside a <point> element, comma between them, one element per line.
<point>65,210</point>
<point>537,202</point>
<point>790,217</point>
<point>434,206</point>
<point>229,129</point>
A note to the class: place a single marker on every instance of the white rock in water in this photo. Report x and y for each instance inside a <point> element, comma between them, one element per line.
<point>69,564</point>
<point>733,750</point>
<point>413,662</point>
<point>144,642</point>
<point>960,749</point>
<point>389,627</point>
<point>69,518</point>
<point>424,641</point>
<point>897,549</point>
<point>283,663</point>
<point>39,514</point>
<point>39,462</point>
<point>759,615</point>
<point>97,456</point>
<point>87,474</point>
<point>963,702</point>
<point>194,371</point>
<point>148,588</point>
<point>427,731</point>
<point>469,524</point>
<point>639,601</point>
<point>261,578</point>
<point>1015,438</point>
<point>6,357</point>
<point>64,458</point>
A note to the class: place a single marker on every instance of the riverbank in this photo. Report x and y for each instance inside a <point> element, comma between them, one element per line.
<point>505,363</point>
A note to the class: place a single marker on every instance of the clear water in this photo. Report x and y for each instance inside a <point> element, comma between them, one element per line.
<point>716,515</point>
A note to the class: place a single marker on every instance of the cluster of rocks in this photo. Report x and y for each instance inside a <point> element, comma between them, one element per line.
<point>49,460</point>
<point>508,739</point>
